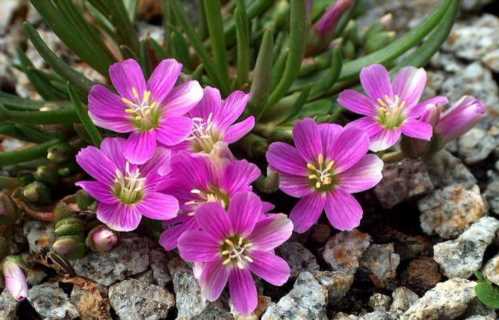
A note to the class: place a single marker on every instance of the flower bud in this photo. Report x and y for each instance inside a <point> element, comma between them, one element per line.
<point>70,247</point>
<point>460,118</point>
<point>69,227</point>
<point>59,153</point>
<point>15,279</point>
<point>46,174</point>
<point>37,192</point>
<point>63,210</point>
<point>101,239</point>
<point>8,209</point>
<point>83,200</point>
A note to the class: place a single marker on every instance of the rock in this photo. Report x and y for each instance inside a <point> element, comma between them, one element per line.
<point>320,233</point>
<point>474,4</point>
<point>159,267</point>
<point>421,274</point>
<point>337,283</point>
<point>51,302</point>
<point>491,270</point>
<point>214,311</point>
<point>478,311</point>
<point>129,258</point>
<point>402,180</point>
<point>448,300</point>
<point>344,316</point>
<point>379,302</point>
<point>403,299</point>
<point>407,246</point>
<point>92,304</point>
<point>492,196</point>
<point>475,145</point>
<point>451,210</point>
<point>445,170</point>
<point>263,303</point>
<point>7,11</point>
<point>377,315</point>
<point>463,256</point>
<point>7,306</point>
<point>343,250</point>
<point>381,261</point>
<point>298,257</point>
<point>307,300</point>
<point>39,235</point>
<point>134,300</point>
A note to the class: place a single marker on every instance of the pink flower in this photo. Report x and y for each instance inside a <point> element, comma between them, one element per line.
<point>101,239</point>
<point>125,191</point>
<point>15,280</point>
<point>195,181</point>
<point>153,111</point>
<point>326,165</point>
<point>460,118</point>
<point>326,26</point>
<point>232,245</point>
<point>389,109</point>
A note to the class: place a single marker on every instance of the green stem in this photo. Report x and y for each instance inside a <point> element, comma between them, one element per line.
<point>82,112</point>
<point>243,44</point>
<point>63,116</point>
<point>27,154</point>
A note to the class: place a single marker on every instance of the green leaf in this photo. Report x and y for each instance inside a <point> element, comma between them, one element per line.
<point>26,154</point>
<point>85,120</point>
<point>243,44</point>
<point>330,78</point>
<point>61,116</point>
<point>262,78</point>
<point>488,294</point>
<point>17,103</point>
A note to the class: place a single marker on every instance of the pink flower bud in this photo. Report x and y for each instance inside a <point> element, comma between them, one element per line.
<point>102,239</point>
<point>15,280</point>
<point>460,118</point>
<point>326,26</point>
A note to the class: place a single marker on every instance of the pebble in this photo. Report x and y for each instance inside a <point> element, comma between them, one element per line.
<point>448,300</point>
<point>343,250</point>
<point>52,303</point>
<point>307,300</point>
<point>381,261</point>
<point>91,305</point>
<point>403,298</point>
<point>407,246</point>
<point>214,311</point>
<point>39,235</point>
<point>7,306</point>
<point>492,196</point>
<point>133,300</point>
<point>337,283</point>
<point>491,270</point>
<point>448,212</point>
<point>344,316</point>
<point>402,180</point>
<point>377,315</point>
<point>379,302</point>
<point>463,256</point>
<point>298,257</point>
<point>159,267</point>
<point>130,257</point>
<point>476,145</point>
<point>421,274</point>
<point>446,169</point>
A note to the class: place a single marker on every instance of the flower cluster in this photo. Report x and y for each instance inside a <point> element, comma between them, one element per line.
<point>175,165</point>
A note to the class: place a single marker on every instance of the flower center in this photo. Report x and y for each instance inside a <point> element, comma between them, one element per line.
<point>129,186</point>
<point>144,113</point>
<point>205,134</point>
<point>391,112</point>
<point>211,194</point>
<point>321,174</point>
<point>235,251</point>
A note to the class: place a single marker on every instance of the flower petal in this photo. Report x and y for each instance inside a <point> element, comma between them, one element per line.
<point>97,165</point>
<point>295,186</point>
<point>163,79</point>
<point>329,134</point>
<point>174,130</point>
<point>158,206</point>
<point>239,130</point>
<point>98,191</point>
<point>307,139</point>
<point>242,290</point>
<point>128,79</point>
<point>244,212</point>
<point>211,217</point>
<point>307,211</point>
<point>384,139</point>
<point>409,85</point>
<point>159,164</point>
<point>375,80</point>
<point>183,98</point>
<point>174,228</point>
<point>366,124</point>
<point>342,210</point>
<point>113,148</point>
<point>284,158</point>
<point>271,232</point>
<point>422,107</point>
<point>348,149</point>
<point>238,176</point>
<point>364,175</point>
<point>357,102</point>
<point>209,104</point>
<point>140,146</point>
<point>107,110</point>
<point>213,279</point>
<point>198,246</point>
<point>417,129</point>
<point>271,268</point>
<point>119,217</point>
<point>232,109</point>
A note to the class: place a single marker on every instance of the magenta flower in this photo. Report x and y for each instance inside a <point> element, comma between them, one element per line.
<point>460,118</point>
<point>214,121</point>
<point>15,280</point>
<point>125,191</point>
<point>152,111</point>
<point>327,164</point>
<point>389,110</point>
<point>234,244</point>
<point>325,28</point>
<point>195,181</point>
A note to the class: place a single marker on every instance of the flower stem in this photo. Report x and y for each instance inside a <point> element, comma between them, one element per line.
<point>62,116</point>
<point>394,156</point>
<point>27,154</point>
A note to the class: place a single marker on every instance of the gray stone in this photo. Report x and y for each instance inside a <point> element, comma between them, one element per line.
<point>344,316</point>
<point>130,257</point>
<point>478,311</point>
<point>492,196</point>
<point>307,300</point>
<point>451,210</point>
<point>403,299</point>
<point>381,261</point>
<point>402,180</point>
<point>159,267</point>
<point>343,250</point>
<point>337,283</point>
<point>463,256</point>
<point>134,300</point>
<point>475,146</point>
<point>7,10</point>
<point>377,315</point>
<point>445,170</point>
<point>298,257</point>
<point>215,311</point>
<point>448,300</point>
<point>7,306</point>
<point>491,270</point>
<point>379,302</point>
<point>39,235</point>
<point>51,302</point>
<point>91,303</point>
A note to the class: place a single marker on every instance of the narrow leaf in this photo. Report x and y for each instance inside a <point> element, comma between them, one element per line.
<point>85,120</point>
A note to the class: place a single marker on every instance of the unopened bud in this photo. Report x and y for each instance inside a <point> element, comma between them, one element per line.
<point>59,153</point>
<point>37,192</point>
<point>70,247</point>
<point>46,174</point>
<point>83,200</point>
<point>69,227</point>
<point>15,279</point>
<point>8,209</point>
<point>62,210</point>
<point>101,239</point>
